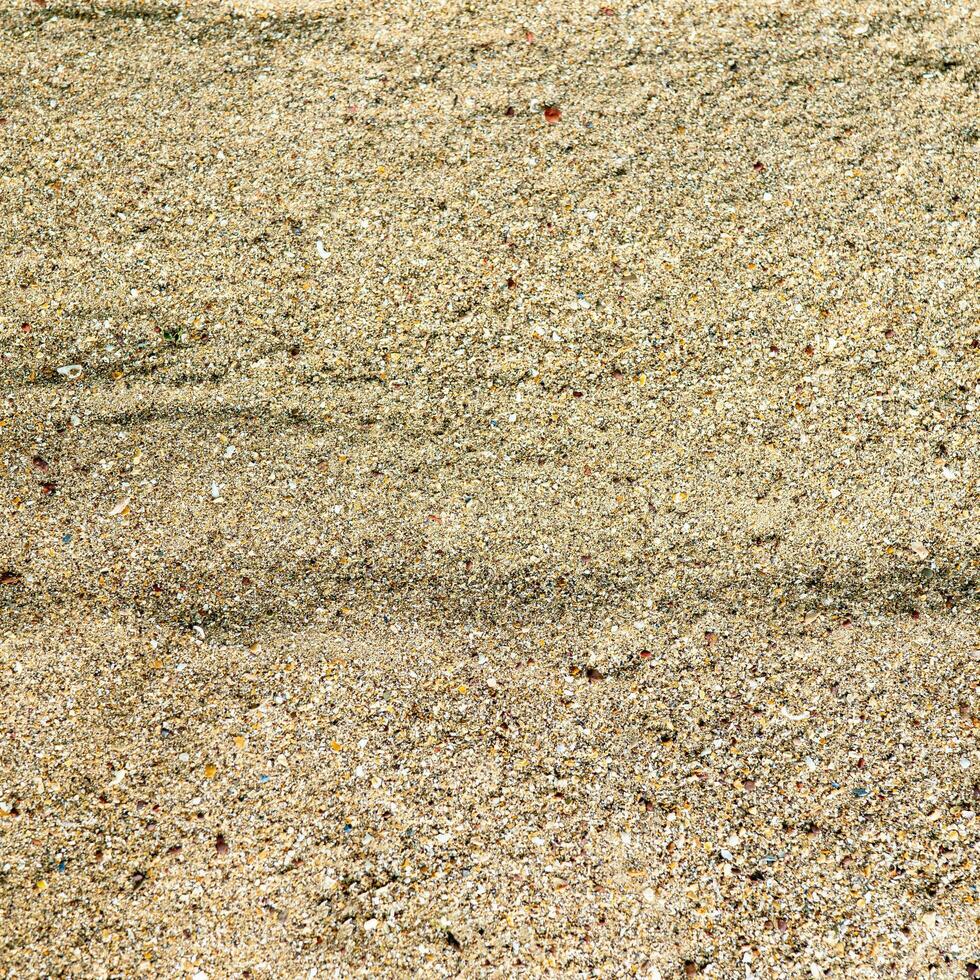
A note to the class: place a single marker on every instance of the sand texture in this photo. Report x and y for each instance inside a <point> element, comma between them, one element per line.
<point>489,490</point>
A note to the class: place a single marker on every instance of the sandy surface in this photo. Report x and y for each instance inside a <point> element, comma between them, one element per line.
<point>489,490</point>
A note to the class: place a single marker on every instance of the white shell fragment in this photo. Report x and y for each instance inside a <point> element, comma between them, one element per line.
<point>786,713</point>
<point>119,508</point>
<point>71,371</point>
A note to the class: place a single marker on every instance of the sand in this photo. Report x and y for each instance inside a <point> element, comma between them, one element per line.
<point>489,490</point>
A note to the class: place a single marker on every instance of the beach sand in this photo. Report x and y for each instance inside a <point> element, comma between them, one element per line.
<point>489,490</point>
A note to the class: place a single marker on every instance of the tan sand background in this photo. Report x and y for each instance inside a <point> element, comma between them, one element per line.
<point>509,505</point>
